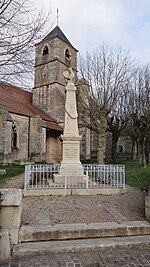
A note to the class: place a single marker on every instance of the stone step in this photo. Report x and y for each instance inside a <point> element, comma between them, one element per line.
<point>34,233</point>
<point>81,245</point>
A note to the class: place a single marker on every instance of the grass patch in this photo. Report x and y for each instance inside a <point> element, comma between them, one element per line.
<point>135,175</point>
<point>89,161</point>
<point>11,171</point>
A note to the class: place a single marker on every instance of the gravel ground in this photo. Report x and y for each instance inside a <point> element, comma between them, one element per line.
<point>14,182</point>
<point>83,209</point>
<point>80,209</point>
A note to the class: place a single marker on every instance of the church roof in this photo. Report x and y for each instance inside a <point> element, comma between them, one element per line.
<point>18,101</point>
<point>57,32</point>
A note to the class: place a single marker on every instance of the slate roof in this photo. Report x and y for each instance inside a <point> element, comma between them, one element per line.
<point>18,101</point>
<point>57,32</point>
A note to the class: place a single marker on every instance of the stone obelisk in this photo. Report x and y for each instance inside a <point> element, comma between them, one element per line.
<point>71,138</point>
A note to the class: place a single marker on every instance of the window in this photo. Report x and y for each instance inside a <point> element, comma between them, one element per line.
<point>14,135</point>
<point>45,50</point>
<point>67,53</point>
<point>120,149</point>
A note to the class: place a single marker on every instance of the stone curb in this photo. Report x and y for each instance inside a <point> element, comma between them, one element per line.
<point>81,231</point>
<point>55,247</point>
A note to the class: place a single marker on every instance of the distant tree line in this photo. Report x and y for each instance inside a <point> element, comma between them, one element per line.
<point>114,95</point>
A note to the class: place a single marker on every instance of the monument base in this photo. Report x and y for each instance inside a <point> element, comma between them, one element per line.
<point>70,174</point>
<point>69,180</point>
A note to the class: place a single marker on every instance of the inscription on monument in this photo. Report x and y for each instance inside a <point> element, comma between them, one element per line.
<point>71,153</point>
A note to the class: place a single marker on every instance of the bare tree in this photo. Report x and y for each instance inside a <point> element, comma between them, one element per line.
<point>119,117</point>
<point>139,129</point>
<point>116,124</point>
<point>20,28</point>
<point>107,71</point>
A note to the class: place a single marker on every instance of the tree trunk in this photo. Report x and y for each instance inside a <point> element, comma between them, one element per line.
<point>115,138</point>
<point>147,150</point>
<point>134,149</point>
<point>142,160</point>
<point>101,139</point>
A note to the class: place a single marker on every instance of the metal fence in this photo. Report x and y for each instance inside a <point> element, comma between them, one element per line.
<point>40,176</point>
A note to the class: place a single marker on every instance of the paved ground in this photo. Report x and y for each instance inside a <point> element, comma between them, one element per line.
<point>109,258</point>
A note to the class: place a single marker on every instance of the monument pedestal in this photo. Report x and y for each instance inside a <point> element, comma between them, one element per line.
<point>71,151</point>
<point>71,167</point>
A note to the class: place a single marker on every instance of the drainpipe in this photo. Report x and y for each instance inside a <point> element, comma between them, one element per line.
<point>29,138</point>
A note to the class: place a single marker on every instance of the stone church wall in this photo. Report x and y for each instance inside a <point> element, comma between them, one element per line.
<point>53,46</point>
<point>57,103</point>
<point>72,62</point>
<point>33,142</point>
<point>49,84</point>
<point>51,99</point>
<point>5,142</point>
<point>20,153</point>
<point>53,146</point>
<point>9,154</point>
<point>49,67</point>
<point>47,75</point>
<point>5,136</point>
<point>37,141</point>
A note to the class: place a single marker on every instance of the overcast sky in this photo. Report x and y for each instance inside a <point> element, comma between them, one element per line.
<point>88,23</point>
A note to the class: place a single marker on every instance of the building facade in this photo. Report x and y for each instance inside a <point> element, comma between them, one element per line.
<point>26,132</point>
<point>31,122</point>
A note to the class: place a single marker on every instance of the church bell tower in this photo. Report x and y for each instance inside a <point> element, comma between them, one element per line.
<point>53,55</point>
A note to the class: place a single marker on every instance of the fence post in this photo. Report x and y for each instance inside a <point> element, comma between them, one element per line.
<point>124,182</point>
<point>65,178</point>
<point>87,178</point>
<point>27,175</point>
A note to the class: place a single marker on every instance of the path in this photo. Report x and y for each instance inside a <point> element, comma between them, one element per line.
<point>109,258</point>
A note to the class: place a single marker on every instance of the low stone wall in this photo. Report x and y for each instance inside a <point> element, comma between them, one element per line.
<point>10,218</point>
<point>64,192</point>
